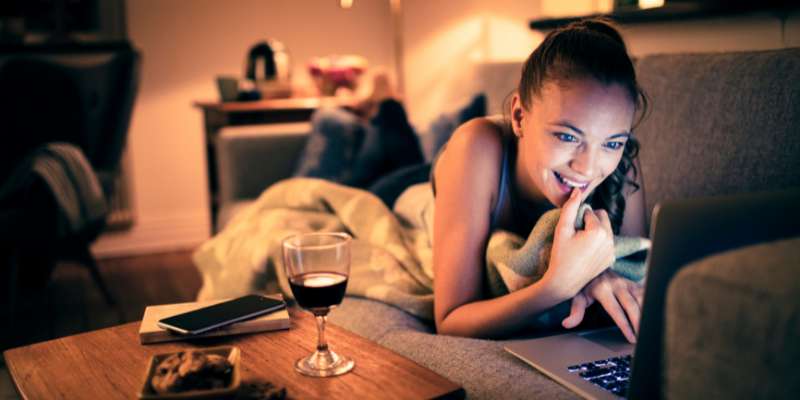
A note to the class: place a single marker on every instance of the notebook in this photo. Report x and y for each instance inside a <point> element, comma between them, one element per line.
<point>149,332</point>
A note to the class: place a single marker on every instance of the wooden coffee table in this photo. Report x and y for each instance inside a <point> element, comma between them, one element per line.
<point>110,364</point>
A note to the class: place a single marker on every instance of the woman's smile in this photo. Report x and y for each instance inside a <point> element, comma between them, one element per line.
<point>566,184</point>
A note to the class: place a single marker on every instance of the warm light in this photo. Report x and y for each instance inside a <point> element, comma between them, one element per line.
<point>645,4</point>
<point>348,3</point>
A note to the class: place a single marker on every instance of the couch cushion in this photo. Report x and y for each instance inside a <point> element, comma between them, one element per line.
<point>482,367</point>
<point>239,149</point>
<point>373,319</point>
<point>443,127</point>
<point>733,323</point>
<point>720,123</point>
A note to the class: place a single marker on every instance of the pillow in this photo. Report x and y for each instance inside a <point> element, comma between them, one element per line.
<point>390,143</point>
<point>332,147</point>
<point>390,186</point>
<point>442,127</point>
<point>346,149</point>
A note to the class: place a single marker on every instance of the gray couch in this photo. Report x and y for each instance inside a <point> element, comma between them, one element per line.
<point>719,124</point>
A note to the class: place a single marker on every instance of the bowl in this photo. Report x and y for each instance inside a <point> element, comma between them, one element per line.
<point>332,72</point>
<point>231,353</point>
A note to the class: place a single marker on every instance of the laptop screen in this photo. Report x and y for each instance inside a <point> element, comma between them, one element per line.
<point>687,230</point>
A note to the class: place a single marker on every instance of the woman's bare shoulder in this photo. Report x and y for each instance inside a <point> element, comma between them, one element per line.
<point>477,137</point>
<point>471,161</point>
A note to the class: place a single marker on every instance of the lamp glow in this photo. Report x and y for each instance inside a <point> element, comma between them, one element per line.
<point>645,4</point>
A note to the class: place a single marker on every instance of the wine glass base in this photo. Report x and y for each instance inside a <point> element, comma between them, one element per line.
<point>323,364</point>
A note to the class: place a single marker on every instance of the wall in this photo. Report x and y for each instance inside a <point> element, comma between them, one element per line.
<point>442,42</point>
<point>186,43</point>
<point>758,31</point>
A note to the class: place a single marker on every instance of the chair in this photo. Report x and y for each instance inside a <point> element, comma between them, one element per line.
<point>77,94</point>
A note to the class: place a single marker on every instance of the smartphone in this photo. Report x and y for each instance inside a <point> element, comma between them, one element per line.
<point>221,314</point>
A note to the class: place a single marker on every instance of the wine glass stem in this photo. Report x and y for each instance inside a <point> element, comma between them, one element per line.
<point>322,344</point>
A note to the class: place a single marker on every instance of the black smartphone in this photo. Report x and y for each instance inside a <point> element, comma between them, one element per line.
<point>221,314</point>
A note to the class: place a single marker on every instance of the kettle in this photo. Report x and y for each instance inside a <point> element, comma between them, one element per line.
<point>271,57</point>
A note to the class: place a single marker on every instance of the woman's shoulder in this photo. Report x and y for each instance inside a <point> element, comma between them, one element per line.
<point>495,122</point>
<point>473,154</point>
<point>480,134</point>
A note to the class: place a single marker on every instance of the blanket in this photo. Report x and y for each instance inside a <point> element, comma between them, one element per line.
<point>71,180</point>
<point>391,257</point>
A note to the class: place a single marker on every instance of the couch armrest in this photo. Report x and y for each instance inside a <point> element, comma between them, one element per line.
<point>733,325</point>
<point>252,157</point>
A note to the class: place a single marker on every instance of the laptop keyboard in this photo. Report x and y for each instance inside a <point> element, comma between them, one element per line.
<point>610,374</point>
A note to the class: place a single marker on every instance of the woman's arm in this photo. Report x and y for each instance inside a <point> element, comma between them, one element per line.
<point>620,297</point>
<point>467,177</point>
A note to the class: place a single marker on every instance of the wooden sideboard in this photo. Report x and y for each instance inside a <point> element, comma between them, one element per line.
<point>217,115</point>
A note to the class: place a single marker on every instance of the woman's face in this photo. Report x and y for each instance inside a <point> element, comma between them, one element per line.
<point>572,136</point>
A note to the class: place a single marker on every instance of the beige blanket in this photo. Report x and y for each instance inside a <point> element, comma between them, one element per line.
<point>391,258</point>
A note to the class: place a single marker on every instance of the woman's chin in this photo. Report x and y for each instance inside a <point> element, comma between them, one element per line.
<point>558,199</point>
<point>559,196</point>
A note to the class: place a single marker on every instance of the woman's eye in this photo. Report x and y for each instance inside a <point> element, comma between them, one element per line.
<point>615,145</point>
<point>565,137</point>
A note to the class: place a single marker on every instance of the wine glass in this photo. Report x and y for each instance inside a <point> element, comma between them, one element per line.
<point>317,265</point>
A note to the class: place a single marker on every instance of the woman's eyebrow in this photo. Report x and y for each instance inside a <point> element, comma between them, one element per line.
<point>568,125</point>
<point>619,135</point>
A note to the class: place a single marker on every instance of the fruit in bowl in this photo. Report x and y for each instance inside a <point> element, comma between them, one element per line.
<point>334,72</point>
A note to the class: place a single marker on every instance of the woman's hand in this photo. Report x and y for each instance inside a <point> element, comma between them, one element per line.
<point>578,256</point>
<point>620,298</point>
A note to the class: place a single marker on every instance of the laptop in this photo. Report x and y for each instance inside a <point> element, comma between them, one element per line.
<point>600,363</point>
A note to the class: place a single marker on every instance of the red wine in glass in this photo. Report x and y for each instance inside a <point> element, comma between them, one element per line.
<point>318,290</point>
<point>317,266</point>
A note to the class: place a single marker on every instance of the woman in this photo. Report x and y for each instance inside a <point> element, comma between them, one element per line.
<point>567,140</point>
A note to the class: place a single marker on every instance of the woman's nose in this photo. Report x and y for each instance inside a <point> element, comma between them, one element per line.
<point>583,162</point>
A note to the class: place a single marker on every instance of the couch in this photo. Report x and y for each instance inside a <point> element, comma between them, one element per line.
<point>720,123</point>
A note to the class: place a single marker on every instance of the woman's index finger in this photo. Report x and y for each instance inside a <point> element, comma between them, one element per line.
<point>569,212</point>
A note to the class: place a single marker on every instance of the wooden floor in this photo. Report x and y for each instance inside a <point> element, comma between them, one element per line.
<point>72,302</point>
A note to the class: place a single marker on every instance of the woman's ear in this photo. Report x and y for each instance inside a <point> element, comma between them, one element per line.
<point>517,115</point>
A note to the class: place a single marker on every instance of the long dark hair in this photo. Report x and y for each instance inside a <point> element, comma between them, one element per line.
<point>590,48</point>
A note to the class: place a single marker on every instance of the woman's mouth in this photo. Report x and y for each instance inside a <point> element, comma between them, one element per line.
<point>566,185</point>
